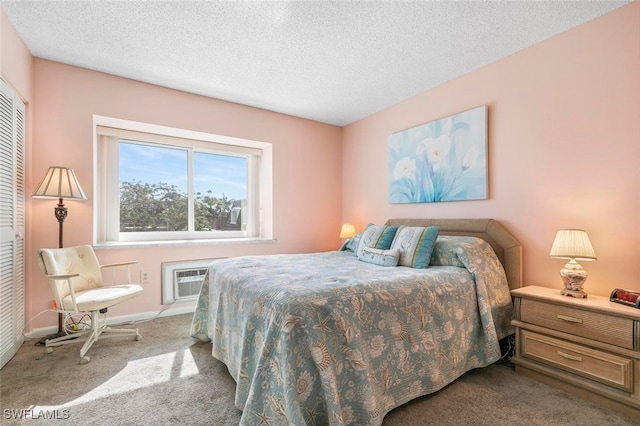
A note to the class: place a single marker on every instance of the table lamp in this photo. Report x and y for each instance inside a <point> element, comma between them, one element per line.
<point>347,230</point>
<point>573,244</point>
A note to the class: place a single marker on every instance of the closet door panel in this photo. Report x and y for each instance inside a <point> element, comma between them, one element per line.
<point>12,222</point>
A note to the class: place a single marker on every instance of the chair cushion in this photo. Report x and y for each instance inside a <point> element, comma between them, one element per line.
<point>103,297</point>
<point>80,260</point>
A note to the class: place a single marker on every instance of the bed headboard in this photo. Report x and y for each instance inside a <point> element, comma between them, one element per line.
<point>507,248</point>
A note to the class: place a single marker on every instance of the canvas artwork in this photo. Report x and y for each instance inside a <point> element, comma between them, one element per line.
<point>444,160</point>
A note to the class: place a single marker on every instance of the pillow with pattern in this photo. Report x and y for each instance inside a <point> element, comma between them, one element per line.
<point>415,244</point>
<point>380,257</point>
<point>352,243</point>
<point>376,236</point>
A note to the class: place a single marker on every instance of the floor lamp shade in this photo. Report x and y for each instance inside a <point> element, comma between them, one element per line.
<point>60,182</point>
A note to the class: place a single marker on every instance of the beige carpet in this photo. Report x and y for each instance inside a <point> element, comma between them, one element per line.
<point>169,378</point>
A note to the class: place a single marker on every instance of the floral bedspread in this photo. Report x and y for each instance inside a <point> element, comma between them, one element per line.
<point>326,339</point>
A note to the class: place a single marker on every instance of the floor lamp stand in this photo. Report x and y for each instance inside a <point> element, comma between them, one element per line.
<point>61,215</point>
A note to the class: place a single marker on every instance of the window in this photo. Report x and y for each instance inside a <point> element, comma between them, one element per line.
<point>164,184</point>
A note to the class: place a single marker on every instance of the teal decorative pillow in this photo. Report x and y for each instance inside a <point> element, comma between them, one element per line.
<point>380,257</point>
<point>376,236</point>
<point>351,244</point>
<point>415,244</point>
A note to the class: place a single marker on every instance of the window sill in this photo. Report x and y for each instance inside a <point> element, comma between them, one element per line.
<point>181,243</point>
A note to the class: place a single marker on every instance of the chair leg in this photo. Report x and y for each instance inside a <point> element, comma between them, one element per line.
<point>97,332</point>
<point>49,344</point>
<point>102,332</point>
<point>116,331</point>
<point>63,338</point>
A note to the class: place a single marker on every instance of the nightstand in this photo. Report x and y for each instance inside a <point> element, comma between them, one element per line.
<point>590,347</point>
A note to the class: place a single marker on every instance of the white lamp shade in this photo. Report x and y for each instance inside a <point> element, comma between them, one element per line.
<point>60,182</point>
<point>348,230</point>
<point>572,244</point>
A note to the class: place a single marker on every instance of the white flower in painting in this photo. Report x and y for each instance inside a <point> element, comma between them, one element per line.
<point>436,149</point>
<point>304,386</point>
<point>404,167</point>
<point>470,158</point>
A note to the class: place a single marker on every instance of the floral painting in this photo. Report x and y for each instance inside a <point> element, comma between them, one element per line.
<point>444,160</point>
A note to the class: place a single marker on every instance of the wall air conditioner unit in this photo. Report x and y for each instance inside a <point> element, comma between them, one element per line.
<point>182,281</point>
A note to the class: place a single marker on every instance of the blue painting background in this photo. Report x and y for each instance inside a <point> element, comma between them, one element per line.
<point>445,160</point>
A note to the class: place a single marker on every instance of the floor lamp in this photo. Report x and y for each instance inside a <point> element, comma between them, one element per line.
<point>60,183</point>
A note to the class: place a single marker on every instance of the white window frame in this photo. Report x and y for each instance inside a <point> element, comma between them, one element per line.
<point>107,133</point>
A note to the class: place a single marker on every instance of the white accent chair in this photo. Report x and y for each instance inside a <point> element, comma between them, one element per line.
<point>76,280</point>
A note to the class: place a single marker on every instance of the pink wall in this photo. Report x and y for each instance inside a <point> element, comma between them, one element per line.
<point>564,149</point>
<point>306,170</point>
<point>15,59</point>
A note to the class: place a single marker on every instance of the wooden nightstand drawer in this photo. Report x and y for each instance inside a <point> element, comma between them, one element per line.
<point>593,364</point>
<point>598,326</point>
<point>588,346</point>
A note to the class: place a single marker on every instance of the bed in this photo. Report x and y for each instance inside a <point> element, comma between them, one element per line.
<point>329,339</point>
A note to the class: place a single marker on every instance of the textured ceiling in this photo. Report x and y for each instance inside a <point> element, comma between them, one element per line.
<point>330,61</point>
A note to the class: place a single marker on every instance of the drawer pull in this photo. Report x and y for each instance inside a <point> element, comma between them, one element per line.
<point>569,319</point>
<point>567,356</point>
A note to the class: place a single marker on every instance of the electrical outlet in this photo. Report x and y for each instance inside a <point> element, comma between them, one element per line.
<point>144,277</point>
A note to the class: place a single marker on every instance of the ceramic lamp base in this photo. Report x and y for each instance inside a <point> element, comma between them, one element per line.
<point>573,277</point>
<point>573,293</point>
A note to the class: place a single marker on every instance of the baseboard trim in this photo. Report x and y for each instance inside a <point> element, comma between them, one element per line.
<point>123,319</point>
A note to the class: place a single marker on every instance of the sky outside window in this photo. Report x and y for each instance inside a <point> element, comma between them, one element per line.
<point>222,174</point>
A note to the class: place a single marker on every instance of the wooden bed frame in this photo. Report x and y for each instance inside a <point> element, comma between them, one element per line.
<point>507,248</point>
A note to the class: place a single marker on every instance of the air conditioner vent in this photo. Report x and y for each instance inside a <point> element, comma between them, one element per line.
<point>181,281</point>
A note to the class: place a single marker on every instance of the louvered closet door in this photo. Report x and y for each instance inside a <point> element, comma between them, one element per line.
<point>12,221</point>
